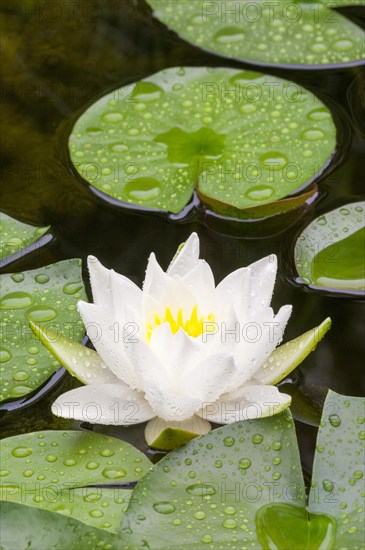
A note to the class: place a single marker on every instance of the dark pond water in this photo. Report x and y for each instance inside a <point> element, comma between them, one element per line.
<point>58,58</point>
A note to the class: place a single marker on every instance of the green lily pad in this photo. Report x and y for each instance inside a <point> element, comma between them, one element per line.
<point>95,506</point>
<point>23,527</point>
<point>330,251</point>
<point>338,472</point>
<point>207,493</point>
<point>47,295</point>
<point>15,236</point>
<point>297,33</point>
<point>241,140</point>
<point>242,485</point>
<point>342,3</point>
<point>50,470</point>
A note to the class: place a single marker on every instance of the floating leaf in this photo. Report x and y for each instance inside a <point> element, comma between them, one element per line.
<point>330,251</point>
<point>208,492</point>
<point>295,33</point>
<point>287,357</point>
<point>99,507</point>
<point>338,474</point>
<point>238,485</point>
<point>23,527</point>
<point>243,140</point>
<point>47,295</point>
<point>242,484</point>
<point>50,470</point>
<point>15,236</point>
<point>342,3</point>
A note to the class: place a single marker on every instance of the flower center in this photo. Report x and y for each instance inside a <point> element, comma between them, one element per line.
<point>194,326</point>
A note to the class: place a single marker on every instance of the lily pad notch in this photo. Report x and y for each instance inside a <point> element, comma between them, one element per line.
<point>246,145</point>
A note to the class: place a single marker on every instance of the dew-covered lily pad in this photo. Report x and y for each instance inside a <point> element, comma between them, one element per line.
<point>338,472</point>
<point>46,295</point>
<point>241,485</point>
<point>330,251</point>
<point>208,492</point>
<point>15,236</point>
<point>242,140</point>
<point>60,465</point>
<point>294,33</point>
<point>23,527</point>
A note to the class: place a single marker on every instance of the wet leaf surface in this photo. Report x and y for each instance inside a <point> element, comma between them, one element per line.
<point>243,140</point>
<point>47,295</point>
<point>291,34</point>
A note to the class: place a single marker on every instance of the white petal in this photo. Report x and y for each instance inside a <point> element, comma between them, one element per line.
<point>98,320</point>
<point>176,351</point>
<point>124,292</point>
<point>148,366</point>
<point>257,339</point>
<point>186,258</point>
<point>282,319</point>
<point>263,275</point>
<point>171,406</point>
<point>113,404</point>
<point>249,402</point>
<point>109,341</point>
<point>234,291</point>
<point>194,426</point>
<point>208,380</point>
<point>200,281</point>
<point>177,295</point>
<point>100,282</point>
<point>156,279</point>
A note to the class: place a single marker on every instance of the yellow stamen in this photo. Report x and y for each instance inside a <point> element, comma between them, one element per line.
<point>193,326</point>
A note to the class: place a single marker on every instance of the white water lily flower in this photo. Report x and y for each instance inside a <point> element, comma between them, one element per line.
<point>181,351</point>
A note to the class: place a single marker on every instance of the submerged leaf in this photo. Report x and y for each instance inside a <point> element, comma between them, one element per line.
<point>297,32</point>
<point>265,210</point>
<point>242,140</point>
